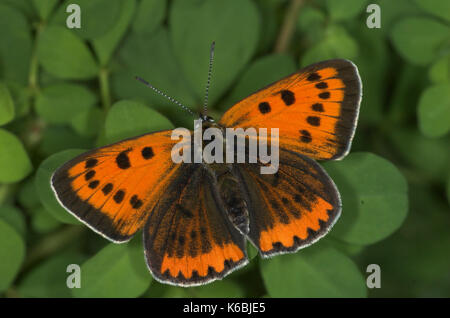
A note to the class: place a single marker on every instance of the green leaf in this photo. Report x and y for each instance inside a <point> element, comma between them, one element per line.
<point>88,122</point>
<point>129,119</point>
<point>43,222</point>
<point>107,43</point>
<point>373,66</point>
<point>434,110</point>
<point>252,251</point>
<point>311,22</point>
<point>21,98</point>
<point>337,43</point>
<point>394,11</point>
<point>43,187</point>
<point>420,40</point>
<point>115,271</point>
<point>44,7</point>
<point>261,73</point>
<point>318,271</point>
<point>419,242</point>
<point>64,55</point>
<point>27,196</point>
<point>98,17</point>
<point>345,9</point>
<point>440,8</point>
<point>374,198</point>
<point>15,45</point>
<point>151,57</point>
<point>48,279</point>
<point>60,103</point>
<point>310,17</point>
<point>6,105</point>
<point>195,25</point>
<point>171,292</point>
<point>427,156</point>
<point>12,253</point>
<point>269,13</point>
<point>21,5</point>
<point>59,138</point>
<point>409,83</point>
<point>448,188</point>
<point>218,289</point>
<point>156,9</point>
<point>14,217</point>
<point>439,72</point>
<point>14,161</point>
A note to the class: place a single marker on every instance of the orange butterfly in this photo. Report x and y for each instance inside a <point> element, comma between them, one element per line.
<point>196,217</point>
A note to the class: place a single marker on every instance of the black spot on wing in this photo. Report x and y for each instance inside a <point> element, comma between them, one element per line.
<point>317,107</point>
<point>118,197</point>
<point>93,184</point>
<point>322,85</point>
<point>135,202</point>
<point>90,163</point>
<point>107,188</point>
<point>147,153</point>
<point>122,160</point>
<point>313,120</point>
<point>264,108</point>
<point>89,175</point>
<point>305,136</point>
<point>313,77</point>
<point>324,95</point>
<point>288,97</point>
<point>185,213</point>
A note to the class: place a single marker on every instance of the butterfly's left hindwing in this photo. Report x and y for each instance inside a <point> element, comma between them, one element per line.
<point>292,208</point>
<point>188,238</point>
<point>113,189</point>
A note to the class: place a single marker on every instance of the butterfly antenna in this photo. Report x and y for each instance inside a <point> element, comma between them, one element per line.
<point>173,100</point>
<point>211,59</point>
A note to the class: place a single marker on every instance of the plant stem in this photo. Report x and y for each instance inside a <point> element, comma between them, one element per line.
<point>104,88</point>
<point>34,64</point>
<point>288,27</point>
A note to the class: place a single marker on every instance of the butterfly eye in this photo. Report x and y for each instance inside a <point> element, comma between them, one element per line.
<point>206,118</point>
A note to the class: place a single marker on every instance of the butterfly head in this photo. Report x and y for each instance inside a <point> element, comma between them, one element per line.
<point>205,121</point>
<point>206,118</point>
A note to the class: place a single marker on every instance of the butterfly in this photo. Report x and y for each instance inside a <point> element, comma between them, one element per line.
<point>196,218</point>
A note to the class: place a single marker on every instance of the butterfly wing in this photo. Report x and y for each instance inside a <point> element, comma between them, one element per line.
<point>315,109</point>
<point>188,238</point>
<point>113,189</point>
<point>290,209</point>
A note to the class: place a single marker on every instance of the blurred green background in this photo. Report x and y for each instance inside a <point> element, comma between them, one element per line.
<point>64,90</point>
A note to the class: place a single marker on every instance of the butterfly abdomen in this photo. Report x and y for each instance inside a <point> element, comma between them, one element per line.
<point>232,197</point>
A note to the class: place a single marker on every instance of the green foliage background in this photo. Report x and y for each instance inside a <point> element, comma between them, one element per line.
<point>63,91</point>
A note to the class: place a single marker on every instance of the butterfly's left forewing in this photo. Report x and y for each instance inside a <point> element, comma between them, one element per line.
<point>114,188</point>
